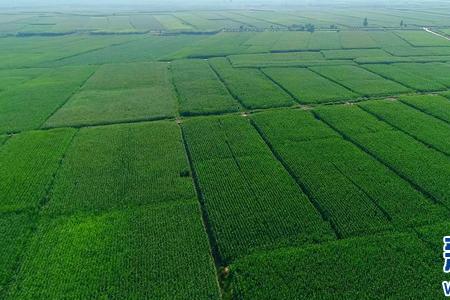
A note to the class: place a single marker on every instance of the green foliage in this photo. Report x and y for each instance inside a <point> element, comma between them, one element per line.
<point>122,166</point>
<point>425,128</point>
<point>438,72</point>
<point>342,270</point>
<point>433,105</point>
<point>308,87</point>
<point>200,90</point>
<point>414,81</point>
<point>151,252</point>
<point>250,86</point>
<point>426,168</point>
<point>276,59</point>
<point>15,231</point>
<point>140,50</point>
<point>29,105</point>
<point>332,168</point>
<point>120,93</point>
<point>422,38</point>
<point>361,81</point>
<point>251,200</point>
<point>354,53</point>
<point>28,162</point>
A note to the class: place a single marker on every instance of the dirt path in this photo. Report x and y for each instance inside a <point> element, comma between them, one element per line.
<point>435,33</point>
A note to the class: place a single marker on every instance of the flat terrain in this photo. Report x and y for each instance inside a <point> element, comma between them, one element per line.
<point>224,154</point>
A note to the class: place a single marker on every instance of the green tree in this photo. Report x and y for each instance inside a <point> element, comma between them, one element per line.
<point>366,22</point>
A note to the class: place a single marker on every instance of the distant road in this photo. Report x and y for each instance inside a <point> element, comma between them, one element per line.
<point>435,33</point>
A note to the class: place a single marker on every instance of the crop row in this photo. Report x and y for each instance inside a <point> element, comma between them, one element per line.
<point>339,270</point>
<point>250,86</point>
<point>27,106</point>
<point>199,89</point>
<point>120,93</point>
<point>357,193</point>
<point>433,105</point>
<point>427,169</point>
<point>251,201</point>
<point>431,131</point>
<point>113,216</point>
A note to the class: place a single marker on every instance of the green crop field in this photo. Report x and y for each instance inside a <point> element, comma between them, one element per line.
<point>224,151</point>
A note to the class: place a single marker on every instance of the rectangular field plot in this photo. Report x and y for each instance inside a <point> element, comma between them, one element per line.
<point>425,128</point>
<point>356,39</point>
<point>28,106</point>
<point>361,81</point>
<point>251,201</point>
<point>422,38</point>
<point>120,93</point>
<point>307,86</point>
<point>358,194</point>
<point>434,105</point>
<point>277,59</point>
<point>172,23</point>
<point>199,89</point>
<point>414,81</point>
<point>344,267</point>
<point>224,43</point>
<point>438,72</point>
<point>427,169</point>
<point>15,231</point>
<point>291,41</point>
<point>28,162</point>
<point>250,86</point>
<point>133,253</point>
<point>11,78</point>
<point>122,166</point>
<point>354,53</point>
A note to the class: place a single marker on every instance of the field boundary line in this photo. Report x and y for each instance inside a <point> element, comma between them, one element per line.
<point>423,111</point>
<point>214,248</point>
<point>76,90</point>
<point>337,82</point>
<point>324,214</point>
<point>236,98</point>
<point>295,98</point>
<point>380,118</point>
<point>348,138</point>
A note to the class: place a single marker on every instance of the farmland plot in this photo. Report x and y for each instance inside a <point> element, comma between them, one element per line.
<point>199,89</point>
<point>307,86</point>
<point>354,53</point>
<point>426,168</point>
<point>173,23</point>
<point>322,40</point>
<point>438,72</point>
<point>118,166</point>
<point>28,106</point>
<point>239,180</point>
<point>119,93</point>
<point>422,38</point>
<point>425,128</point>
<point>221,44</point>
<point>250,86</point>
<point>143,49</point>
<point>28,162</point>
<point>328,165</point>
<point>301,273</point>
<point>11,78</point>
<point>290,41</point>
<point>145,22</point>
<point>15,231</point>
<point>151,252</point>
<point>360,81</point>
<point>433,105</point>
<point>414,81</point>
<point>276,59</point>
<point>356,39</point>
